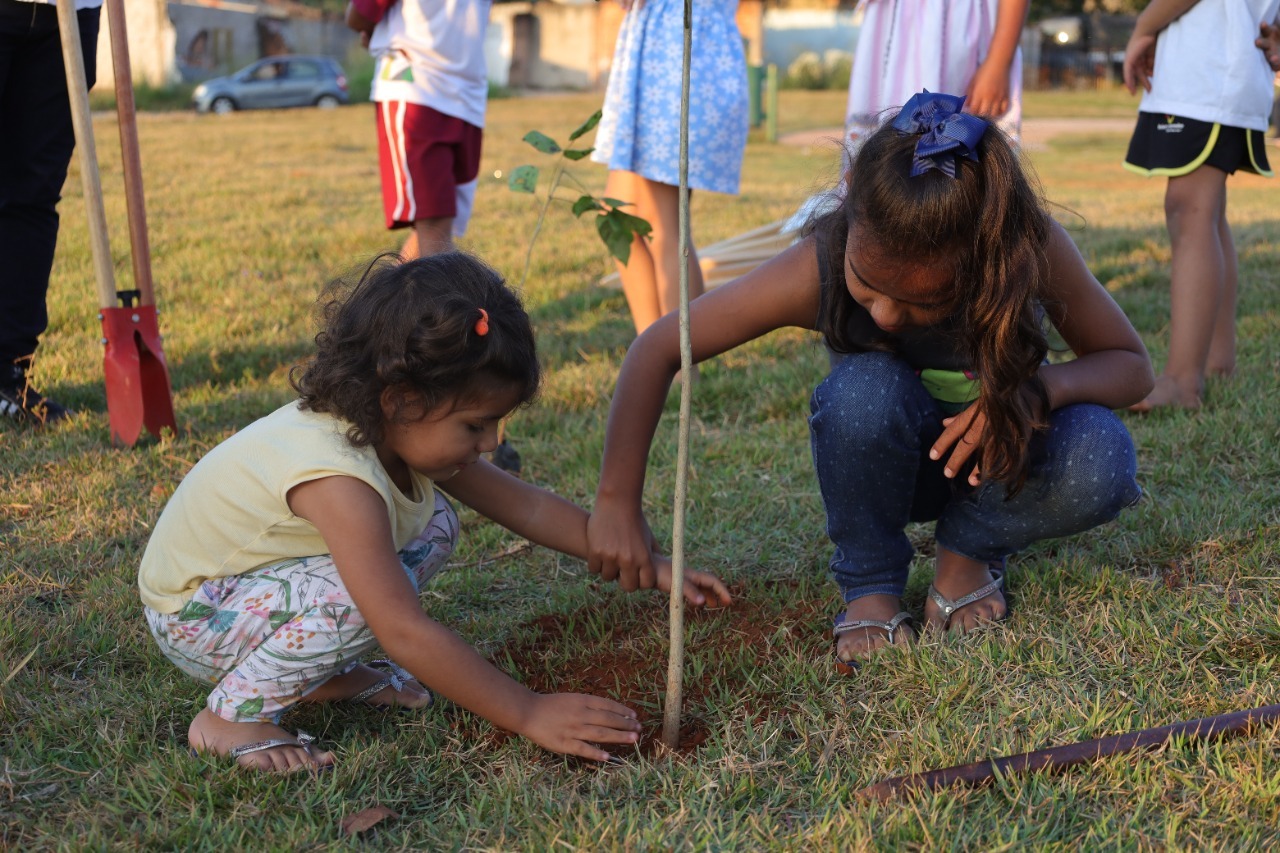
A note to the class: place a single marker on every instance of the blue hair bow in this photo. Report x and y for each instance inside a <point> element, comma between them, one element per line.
<point>948,133</point>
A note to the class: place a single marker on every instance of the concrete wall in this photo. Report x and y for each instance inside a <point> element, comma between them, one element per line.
<point>197,39</point>
<point>555,46</point>
<point>151,45</point>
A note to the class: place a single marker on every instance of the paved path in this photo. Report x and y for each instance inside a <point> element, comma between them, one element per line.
<point>1035,131</point>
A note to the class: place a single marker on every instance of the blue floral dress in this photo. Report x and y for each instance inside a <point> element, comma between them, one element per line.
<point>640,129</point>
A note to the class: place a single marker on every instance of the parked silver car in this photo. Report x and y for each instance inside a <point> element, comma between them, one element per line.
<point>277,81</point>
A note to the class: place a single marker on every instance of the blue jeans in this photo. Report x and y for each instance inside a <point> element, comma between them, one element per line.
<point>872,426</point>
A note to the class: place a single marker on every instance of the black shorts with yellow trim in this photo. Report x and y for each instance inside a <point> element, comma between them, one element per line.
<point>1172,145</point>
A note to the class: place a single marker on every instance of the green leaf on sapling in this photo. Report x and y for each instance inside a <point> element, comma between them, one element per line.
<point>587,125</point>
<point>618,230</point>
<point>636,225</point>
<point>577,153</point>
<point>542,142</point>
<point>585,203</point>
<point>523,179</point>
<point>614,202</point>
<point>616,240</point>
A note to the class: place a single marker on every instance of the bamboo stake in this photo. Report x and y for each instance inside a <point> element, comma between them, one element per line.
<point>1060,757</point>
<point>675,664</point>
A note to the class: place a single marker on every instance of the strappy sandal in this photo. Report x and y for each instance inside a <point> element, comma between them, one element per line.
<point>397,678</point>
<point>949,606</point>
<point>843,626</point>
<point>301,739</point>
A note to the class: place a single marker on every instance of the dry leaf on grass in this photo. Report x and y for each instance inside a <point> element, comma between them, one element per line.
<point>366,819</point>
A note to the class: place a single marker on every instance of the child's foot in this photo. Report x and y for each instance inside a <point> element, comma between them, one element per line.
<point>209,733</point>
<point>1170,393</point>
<point>957,579</point>
<point>351,684</point>
<point>861,643</point>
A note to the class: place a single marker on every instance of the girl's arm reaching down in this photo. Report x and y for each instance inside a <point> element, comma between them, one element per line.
<point>782,292</point>
<point>549,520</point>
<point>352,518</point>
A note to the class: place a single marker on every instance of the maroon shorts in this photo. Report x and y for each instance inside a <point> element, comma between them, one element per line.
<point>424,155</point>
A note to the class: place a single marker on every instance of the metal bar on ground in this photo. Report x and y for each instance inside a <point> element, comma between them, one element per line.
<point>1060,757</point>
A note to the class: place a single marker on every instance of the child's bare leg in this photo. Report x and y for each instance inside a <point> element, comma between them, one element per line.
<point>1222,348</point>
<point>859,644</point>
<point>664,201</point>
<point>209,733</point>
<point>348,684</point>
<point>638,275</point>
<point>955,577</point>
<point>1194,207</point>
<point>429,237</point>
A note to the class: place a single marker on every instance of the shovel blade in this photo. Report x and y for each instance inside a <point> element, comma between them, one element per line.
<point>137,377</point>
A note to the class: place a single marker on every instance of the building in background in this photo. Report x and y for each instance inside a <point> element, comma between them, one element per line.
<point>173,41</point>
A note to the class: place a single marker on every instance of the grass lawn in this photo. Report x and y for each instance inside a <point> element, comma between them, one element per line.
<point>1168,614</point>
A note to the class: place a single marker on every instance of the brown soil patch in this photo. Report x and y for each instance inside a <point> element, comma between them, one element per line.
<point>620,651</point>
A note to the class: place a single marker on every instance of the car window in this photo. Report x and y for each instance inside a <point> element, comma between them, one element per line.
<point>304,71</point>
<point>267,71</point>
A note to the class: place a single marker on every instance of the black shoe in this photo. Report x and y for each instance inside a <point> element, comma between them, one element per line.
<point>24,404</point>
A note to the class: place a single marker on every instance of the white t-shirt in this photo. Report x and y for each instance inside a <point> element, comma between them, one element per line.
<point>431,52</point>
<point>1208,68</point>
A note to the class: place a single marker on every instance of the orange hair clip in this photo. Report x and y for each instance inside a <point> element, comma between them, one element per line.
<point>482,325</point>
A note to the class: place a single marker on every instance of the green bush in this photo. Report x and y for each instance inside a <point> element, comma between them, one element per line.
<point>814,72</point>
<point>147,98</point>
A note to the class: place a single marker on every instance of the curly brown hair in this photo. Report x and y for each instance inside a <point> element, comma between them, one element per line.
<point>410,326</point>
<point>989,223</point>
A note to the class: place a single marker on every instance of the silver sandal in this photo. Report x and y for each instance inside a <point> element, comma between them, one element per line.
<point>949,606</point>
<point>844,626</point>
<point>302,739</point>
<point>397,678</point>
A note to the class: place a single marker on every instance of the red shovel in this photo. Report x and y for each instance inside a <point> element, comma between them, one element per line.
<point>137,378</point>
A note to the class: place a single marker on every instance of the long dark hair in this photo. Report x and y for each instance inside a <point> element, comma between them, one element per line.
<point>411,326</point>
<point>990,225</point>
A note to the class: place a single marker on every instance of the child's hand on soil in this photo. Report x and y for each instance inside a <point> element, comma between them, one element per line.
<point>573,723</point>
<point>963,432</point>
<point>700,588</point>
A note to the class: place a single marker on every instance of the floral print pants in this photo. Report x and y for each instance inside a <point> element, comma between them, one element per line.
<point>267,638</point>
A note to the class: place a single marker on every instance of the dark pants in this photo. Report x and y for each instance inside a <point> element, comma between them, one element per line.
<point>36,141</point>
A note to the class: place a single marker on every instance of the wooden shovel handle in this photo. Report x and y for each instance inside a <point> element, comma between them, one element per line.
<point>78,96</point>
<point>127,116</point>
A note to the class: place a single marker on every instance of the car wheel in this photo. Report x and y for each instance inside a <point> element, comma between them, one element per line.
<point>326,102</point>
<point>222,105</point>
